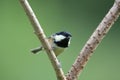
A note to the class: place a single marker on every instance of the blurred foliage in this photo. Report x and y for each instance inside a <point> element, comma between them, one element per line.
<point>79,17</point>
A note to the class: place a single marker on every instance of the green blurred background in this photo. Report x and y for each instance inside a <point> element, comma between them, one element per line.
<point>79,17</point>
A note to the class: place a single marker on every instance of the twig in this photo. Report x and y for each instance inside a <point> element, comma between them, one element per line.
<point>93,42</point>
<point>40,34</point>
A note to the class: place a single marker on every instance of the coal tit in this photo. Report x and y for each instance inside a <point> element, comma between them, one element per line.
<point>58,41</point>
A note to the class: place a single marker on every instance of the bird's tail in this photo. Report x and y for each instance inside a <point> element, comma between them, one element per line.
<point>36,50</point>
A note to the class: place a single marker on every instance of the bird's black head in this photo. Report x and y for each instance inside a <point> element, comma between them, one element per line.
<point>66,34</point>
<point>62,39</point>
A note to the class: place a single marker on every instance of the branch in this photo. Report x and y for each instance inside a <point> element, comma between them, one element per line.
<point>41,36</point>
<point>93,42</point>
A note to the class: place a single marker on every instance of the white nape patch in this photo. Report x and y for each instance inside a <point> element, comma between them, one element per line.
<point>59,37</point>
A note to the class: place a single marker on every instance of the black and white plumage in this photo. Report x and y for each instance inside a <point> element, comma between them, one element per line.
<point>58,41</point>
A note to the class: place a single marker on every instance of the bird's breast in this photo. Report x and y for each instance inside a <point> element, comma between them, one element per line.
<point>58,50</point>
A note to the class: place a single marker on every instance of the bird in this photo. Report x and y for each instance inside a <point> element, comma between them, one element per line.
<point>58,41</point>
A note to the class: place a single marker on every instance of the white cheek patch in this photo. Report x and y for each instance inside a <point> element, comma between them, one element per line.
<point>69,42</point>
<point>59,37</point>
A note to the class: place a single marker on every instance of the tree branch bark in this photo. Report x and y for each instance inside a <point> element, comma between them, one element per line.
<point>93,41</point>
<point>41,36</point>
